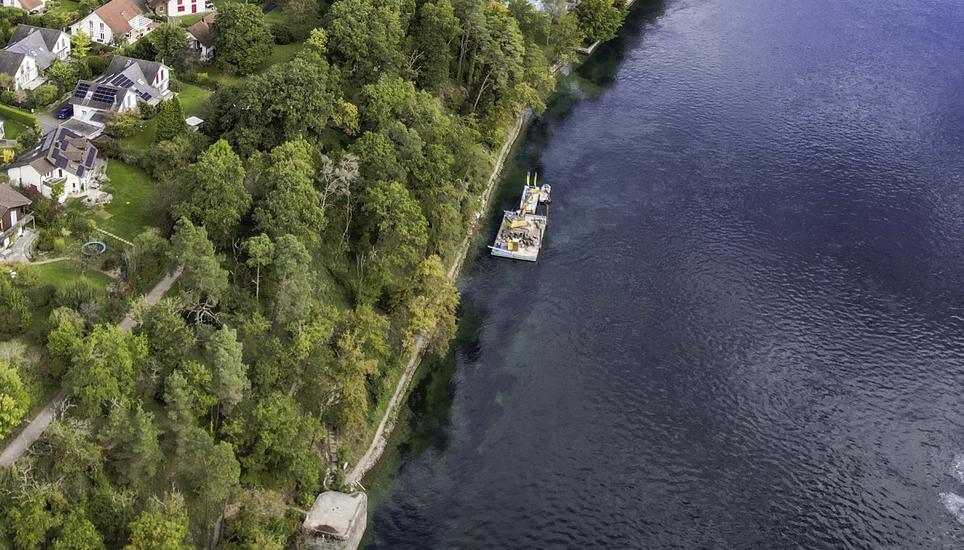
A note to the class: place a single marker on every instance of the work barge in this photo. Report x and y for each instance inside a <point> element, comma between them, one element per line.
<point>522,231</point>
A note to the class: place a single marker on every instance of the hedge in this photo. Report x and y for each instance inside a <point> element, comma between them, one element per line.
<point>20,116</point>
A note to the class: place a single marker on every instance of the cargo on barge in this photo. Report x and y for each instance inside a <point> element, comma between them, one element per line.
<point>522,231</point>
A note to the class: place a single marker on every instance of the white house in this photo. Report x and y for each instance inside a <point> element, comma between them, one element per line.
<point>62,160</point>
<point>32,6</point>
<point>44,45</point>
<point>22,68</point>
<point>126,82</point>
<point>177,8</point>
<point>200,38</point>
<point>118,19</point>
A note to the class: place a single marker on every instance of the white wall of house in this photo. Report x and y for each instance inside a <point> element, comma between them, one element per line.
<point>94,27</point>
<point>62,47</point>
<point>177,8</point>
<point>26,72</point>
<point>27,177</point>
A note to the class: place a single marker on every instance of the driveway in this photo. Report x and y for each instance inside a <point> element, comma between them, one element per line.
<point>19,251</point>
<point>48,119</point>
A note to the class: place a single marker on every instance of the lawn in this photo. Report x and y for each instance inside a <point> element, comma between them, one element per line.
<point>12,129</point>
<point>58,274</point>
<point>280,53</point>
<point>65,6</point>
<point>130,211</point>
<point>192,100</point>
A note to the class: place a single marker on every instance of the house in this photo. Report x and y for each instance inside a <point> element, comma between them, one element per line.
<point>200,38</point>
<point>177,8</point>
<point>13,218</point>
<point>126,83</point>
<point>63,162</point>
<point>44,45</point>
<point>21,68</point>
<point>119,20</point>
<point>30,6</point>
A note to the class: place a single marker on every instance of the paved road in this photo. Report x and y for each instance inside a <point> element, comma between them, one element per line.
<point>36,427</point>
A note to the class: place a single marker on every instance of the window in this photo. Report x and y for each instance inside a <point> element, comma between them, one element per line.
<point>180,8</point>
<point>193,8</point>
<point>101,25</point>
<point>90,23</point>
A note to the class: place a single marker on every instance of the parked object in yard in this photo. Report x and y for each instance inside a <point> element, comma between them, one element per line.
<point>65,112</point>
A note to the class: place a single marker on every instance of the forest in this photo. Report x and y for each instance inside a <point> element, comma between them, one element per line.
<point>314,219</point>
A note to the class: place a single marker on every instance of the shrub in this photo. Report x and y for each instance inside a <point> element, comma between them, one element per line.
<point>44,95</point>
<point>97,64</point>
<point>15,114</point>
<point>124,124</point>
<point>282,34</point>
<point>175,85</point>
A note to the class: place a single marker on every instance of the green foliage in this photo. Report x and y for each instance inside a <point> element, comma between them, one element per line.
<point>376,51</point>
<point>203,280</point>
<point>124,124</point>
<point>131,439</point>
<point>167,41</point>
<point>23,117</point>
<point>16,310</point>
<point>13,399</point>
<point>291,205</point>
<point>168,336</point>
<point>230,380</point>
<point>213,193</point>
<point>163,526</point>
<point>170,120</point>
<point>44,95</point>
<point>78,533</point>
<point>437,28</point>
<point>599,20</point>
<point>102,369</point>
<point>80,45</point>
<point>242,38</point>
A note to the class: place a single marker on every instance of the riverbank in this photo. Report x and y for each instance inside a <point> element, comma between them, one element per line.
<point>389,420</point>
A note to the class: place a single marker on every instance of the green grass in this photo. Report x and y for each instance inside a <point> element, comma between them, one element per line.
<point>280,53</point>
<point>13,129</point>
<point>66,6</point>
<point>58,274</point>
<point>192,100</point>
<point>130,210</point>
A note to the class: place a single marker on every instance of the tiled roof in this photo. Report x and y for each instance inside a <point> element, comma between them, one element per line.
<point>202,31</point>
<point>50,36</point>
<point>60,148</point>
<point>10,62</point>
<point>117,14</point>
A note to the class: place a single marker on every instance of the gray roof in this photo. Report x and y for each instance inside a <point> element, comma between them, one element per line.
<point>98,95</point>
<point>60,148</point>
<point>10,62</point>
<point>11,199</point>
<point>136,75</point>
<point>50,36</point>
<point>34,45</point>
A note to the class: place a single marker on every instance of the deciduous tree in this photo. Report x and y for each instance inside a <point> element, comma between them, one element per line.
<point>241,37</point>
<point>213,193</point>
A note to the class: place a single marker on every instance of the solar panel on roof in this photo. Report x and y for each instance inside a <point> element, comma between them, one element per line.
<point>82,89</point>
<point>122,81</point>
<point>80,171</point>
<point>145,96</point>
<point>89,161</point>
<point>105,95</point>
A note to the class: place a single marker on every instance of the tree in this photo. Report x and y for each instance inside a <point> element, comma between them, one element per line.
<point>162,526</point>
<point>78,533</point>
<point>431,305</point>
<point>242,38</point>
<point>365,37</point>
<point>64,74</point>
<point>15,308</point>
<point>130,438</point>
<point>230,380</point>
<point>103,367</point>
<point>170,120</point>
<point>168,336</point>
<point>292,288</point>
<point>437,29</point>
<point>203,280</point>
<point>66,337</point>
<point>210,469</point>
<point>275,440</point>
<point>600,20</point>
<point>80,45</point>
<point>213,193</point>
<point>260,250</point>
<point>398,232</point>
<point>167,40</point>
<point>13,399</point>
<point>292,205</point>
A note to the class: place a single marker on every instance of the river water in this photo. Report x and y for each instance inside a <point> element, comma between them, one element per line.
<point>747,327</point>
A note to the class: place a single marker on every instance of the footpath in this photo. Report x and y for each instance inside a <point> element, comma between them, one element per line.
<point>35,428</point>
